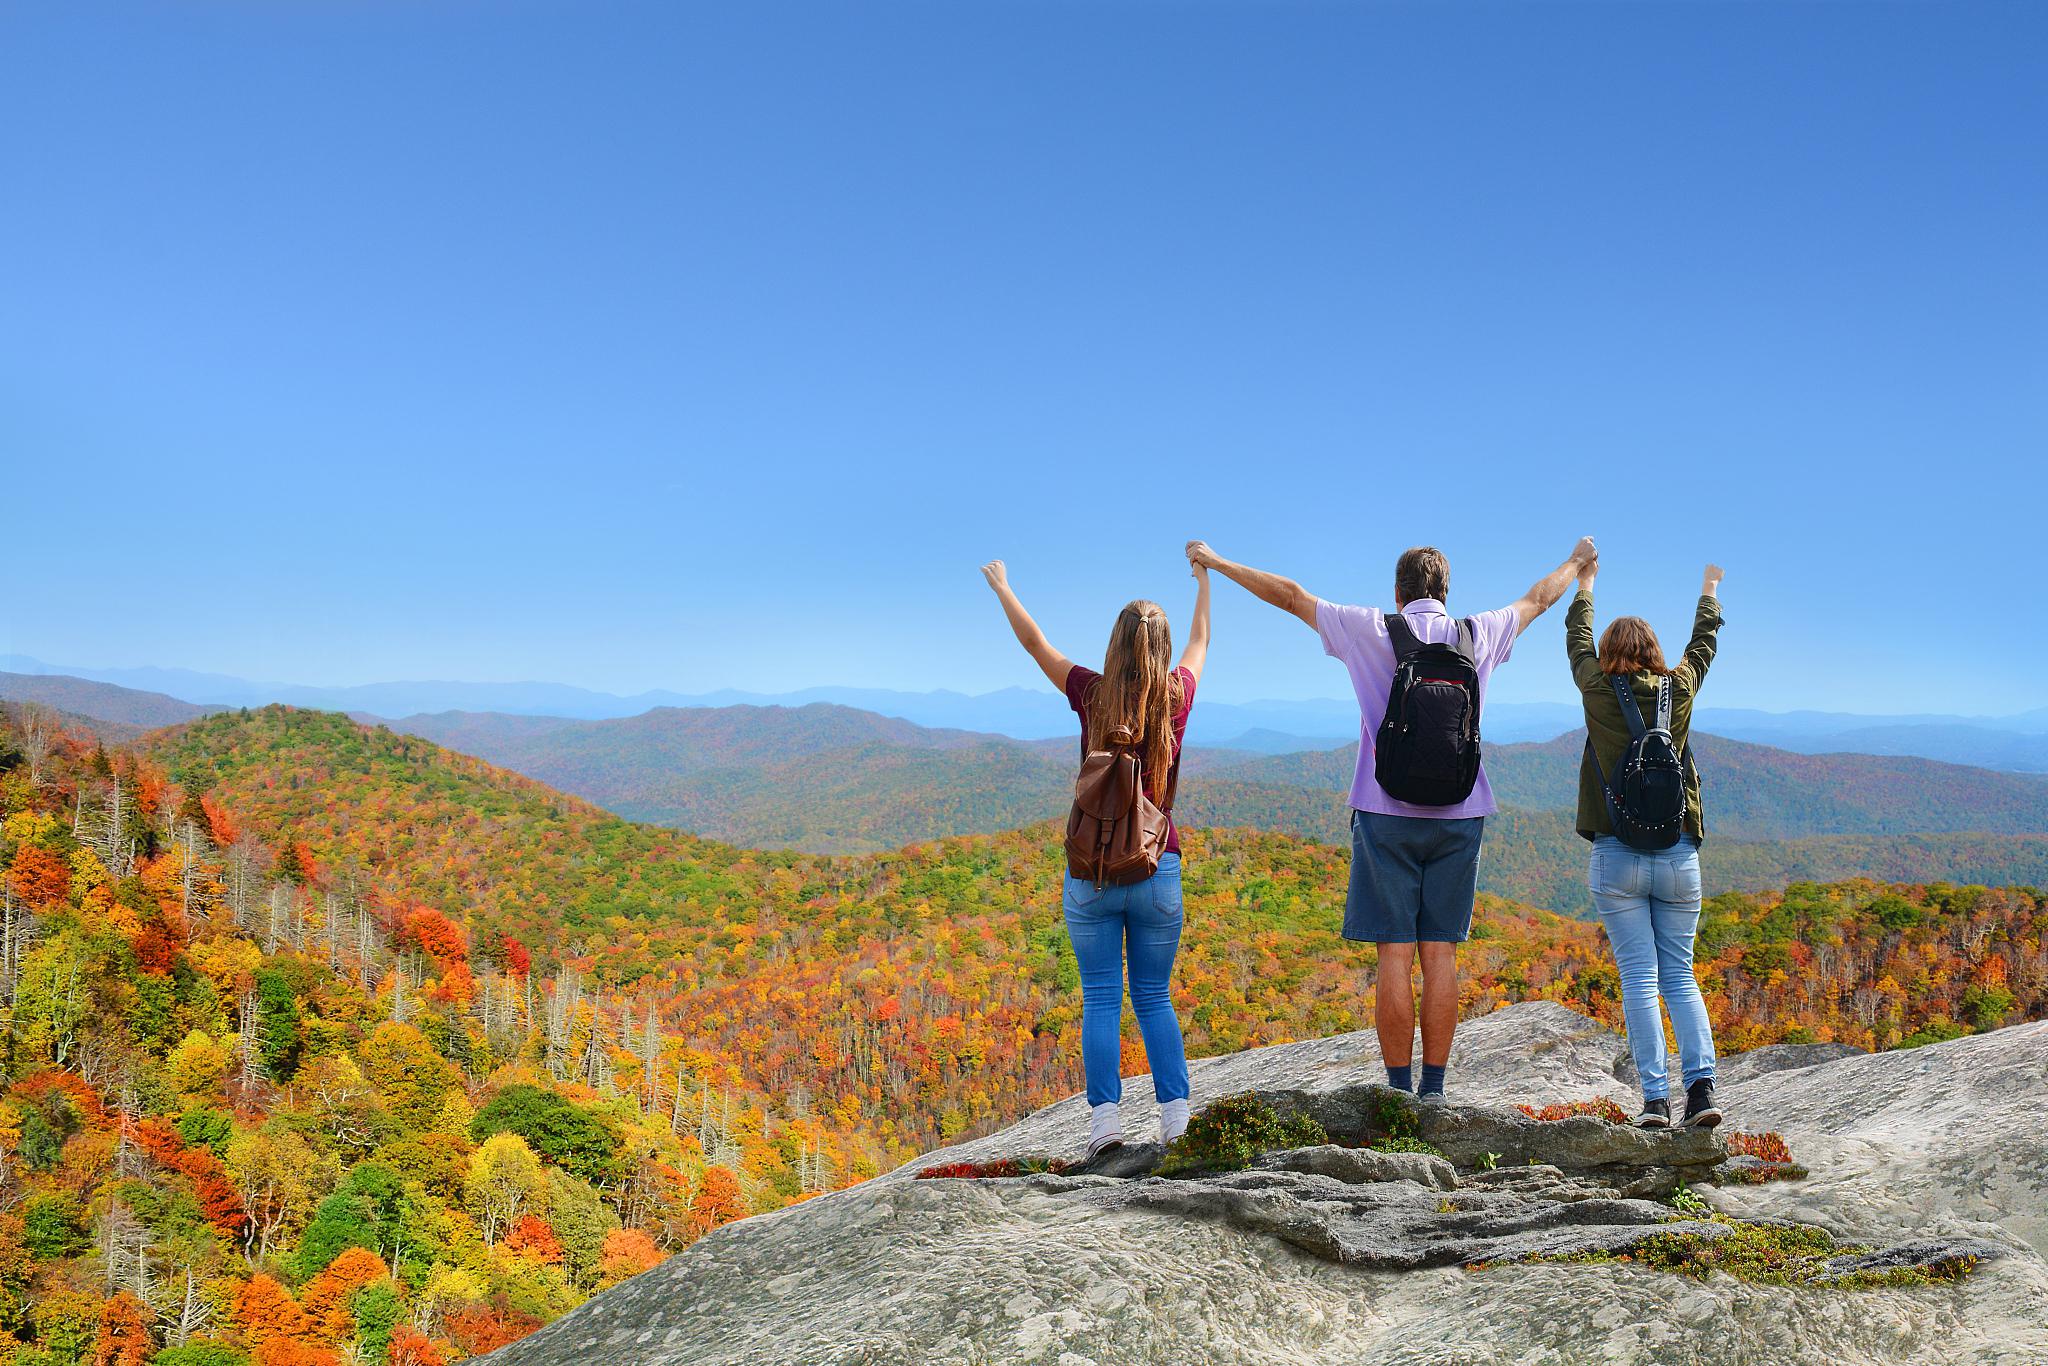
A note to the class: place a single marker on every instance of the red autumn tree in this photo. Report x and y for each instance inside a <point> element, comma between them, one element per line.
<point>411,1347</point>
<point>480,1328</point>
<point>518,961</point>
<point>718,1202</point>
<point>220,826</point>
<point>435,933</point>
<point>532,1237</point>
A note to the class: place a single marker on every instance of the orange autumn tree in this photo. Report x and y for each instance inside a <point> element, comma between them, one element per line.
<point>411,1347</point>
<point>123,1337</point>
<point>626,1253</point>
<point>531,1237</point>
<point>267,1315</point>
<point>325,1300</point>
<point>718,1202</point>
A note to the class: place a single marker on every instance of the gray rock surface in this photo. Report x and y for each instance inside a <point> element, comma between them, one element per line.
<point>1356,1165</point>
<point>1921,1153</point>
<point>1741,1067</point>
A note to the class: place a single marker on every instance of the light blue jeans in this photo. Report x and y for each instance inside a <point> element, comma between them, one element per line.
<point>1650,904</point>
<point>1141,920</point>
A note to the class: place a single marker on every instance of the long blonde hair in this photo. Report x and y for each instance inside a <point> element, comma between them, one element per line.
<point>1139,688</point>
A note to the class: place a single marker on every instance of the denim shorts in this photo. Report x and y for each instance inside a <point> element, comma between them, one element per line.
<point>1412,878</point>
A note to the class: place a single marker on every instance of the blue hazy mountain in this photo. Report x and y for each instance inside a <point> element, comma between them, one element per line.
<point>2015,743</point>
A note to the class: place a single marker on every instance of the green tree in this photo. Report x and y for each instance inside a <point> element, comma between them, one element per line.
<point>559,1130</point>
<point>580,1221</point>
<point>376,1308</point>
<point>279,1036</point>
<point>52,1226</point>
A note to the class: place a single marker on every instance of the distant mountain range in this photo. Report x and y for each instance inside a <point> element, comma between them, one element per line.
<point>827,778</point>
<point>2017,743</point>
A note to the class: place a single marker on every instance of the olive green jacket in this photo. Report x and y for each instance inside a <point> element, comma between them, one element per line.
<point>1604,721</point>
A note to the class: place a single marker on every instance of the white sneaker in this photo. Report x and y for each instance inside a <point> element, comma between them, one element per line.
<point>1107,1130</point>
<point>1173,1120</point>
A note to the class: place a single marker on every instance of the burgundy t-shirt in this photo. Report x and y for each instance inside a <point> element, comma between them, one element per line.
<point>1082,678</point>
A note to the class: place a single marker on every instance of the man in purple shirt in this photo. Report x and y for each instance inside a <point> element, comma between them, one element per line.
<point>1414,869</point>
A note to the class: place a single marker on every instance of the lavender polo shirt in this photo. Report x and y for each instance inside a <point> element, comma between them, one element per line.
<point>1358,636</point>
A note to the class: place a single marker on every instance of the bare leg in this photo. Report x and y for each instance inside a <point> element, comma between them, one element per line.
<point>1394,1013</point>
<point>1439,1002</point>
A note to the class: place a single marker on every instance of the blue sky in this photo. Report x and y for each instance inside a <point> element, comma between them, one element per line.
<point>655,345</point>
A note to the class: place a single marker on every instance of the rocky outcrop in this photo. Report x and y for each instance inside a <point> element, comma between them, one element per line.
<point>1341,1253</point>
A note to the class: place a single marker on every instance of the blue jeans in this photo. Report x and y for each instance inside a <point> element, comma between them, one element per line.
<point>1143,918</point>
<point>1650,904</point>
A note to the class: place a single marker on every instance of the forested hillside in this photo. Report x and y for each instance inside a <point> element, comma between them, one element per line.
<point>323,1043</point>
<point>829,779</point>
<point>821,778</point>
<point>1753,792</point>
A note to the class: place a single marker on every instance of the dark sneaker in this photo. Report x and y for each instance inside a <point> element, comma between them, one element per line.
<point>1700,1110</point>
<point>1656,1114</point>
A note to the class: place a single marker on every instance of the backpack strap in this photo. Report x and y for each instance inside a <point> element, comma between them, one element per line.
<point>1467,639</point>
<point>1664,704</point>
<point>1401,636</point>
<point>1630,712</point>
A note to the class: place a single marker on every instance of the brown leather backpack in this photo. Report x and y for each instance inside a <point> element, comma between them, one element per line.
<point>1115,835</point>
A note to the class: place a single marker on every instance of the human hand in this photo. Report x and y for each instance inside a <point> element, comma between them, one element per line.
<point>1585,553</point>
<point>1711,583</point>
<point>1198,572</point>
<point>1200,556</point>
<point>998,577</point>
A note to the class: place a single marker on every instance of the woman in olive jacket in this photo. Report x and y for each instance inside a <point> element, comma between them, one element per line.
<point>1648,901</point>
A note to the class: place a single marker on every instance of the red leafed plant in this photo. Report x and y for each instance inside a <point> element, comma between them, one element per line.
<point>1766,1147</point>
<point>976,1171</point>
<point>1601,1108</point>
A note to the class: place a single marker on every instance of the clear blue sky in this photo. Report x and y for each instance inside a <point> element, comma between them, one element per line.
<point>687,345</point>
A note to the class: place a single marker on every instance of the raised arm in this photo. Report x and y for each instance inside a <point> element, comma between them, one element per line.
<point>1548,589</point>
<point>1285,594</point>
<point>1578,632</point>
<point>1706,627</point>
<point>1056,665</point>
<point>1196,654</point>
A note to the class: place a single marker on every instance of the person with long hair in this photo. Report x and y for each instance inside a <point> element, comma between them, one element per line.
<point>1142,690</point>
<point>1648,898</point>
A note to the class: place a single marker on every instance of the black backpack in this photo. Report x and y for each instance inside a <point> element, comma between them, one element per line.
<point>1427,749</point>
<point>1646,796</point>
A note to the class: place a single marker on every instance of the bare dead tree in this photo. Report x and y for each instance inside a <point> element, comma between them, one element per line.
<point>38,732</point>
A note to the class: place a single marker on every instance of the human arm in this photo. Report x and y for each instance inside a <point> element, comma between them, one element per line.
<point>1706,629</point>
<point>1578,632</point>
<point>1056,665</point>
<point>1283,593</point>
<point>1548,589</point>
<point>1196,653</point>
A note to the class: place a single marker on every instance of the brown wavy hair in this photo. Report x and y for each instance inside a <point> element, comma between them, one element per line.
<point>1629,646</point>
<point>1139,688</point>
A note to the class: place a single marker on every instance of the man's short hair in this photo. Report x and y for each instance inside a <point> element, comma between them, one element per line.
<point>1421,573</point>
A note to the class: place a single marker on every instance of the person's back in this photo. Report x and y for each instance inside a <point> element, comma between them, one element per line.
<point>1127,907</point>
<point>1414,864</point>
<point>1607,726</point>
<point>1646,886</point>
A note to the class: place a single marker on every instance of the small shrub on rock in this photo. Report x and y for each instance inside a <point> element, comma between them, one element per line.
<point>1601,1108</point>
<point>983,1171</point>
<point>1228,1133</point>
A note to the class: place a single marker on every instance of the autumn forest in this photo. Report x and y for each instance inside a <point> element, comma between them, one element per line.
<point>327,1045</point>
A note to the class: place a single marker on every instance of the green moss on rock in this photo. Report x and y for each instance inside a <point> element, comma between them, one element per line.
<point>1228,1133</point>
